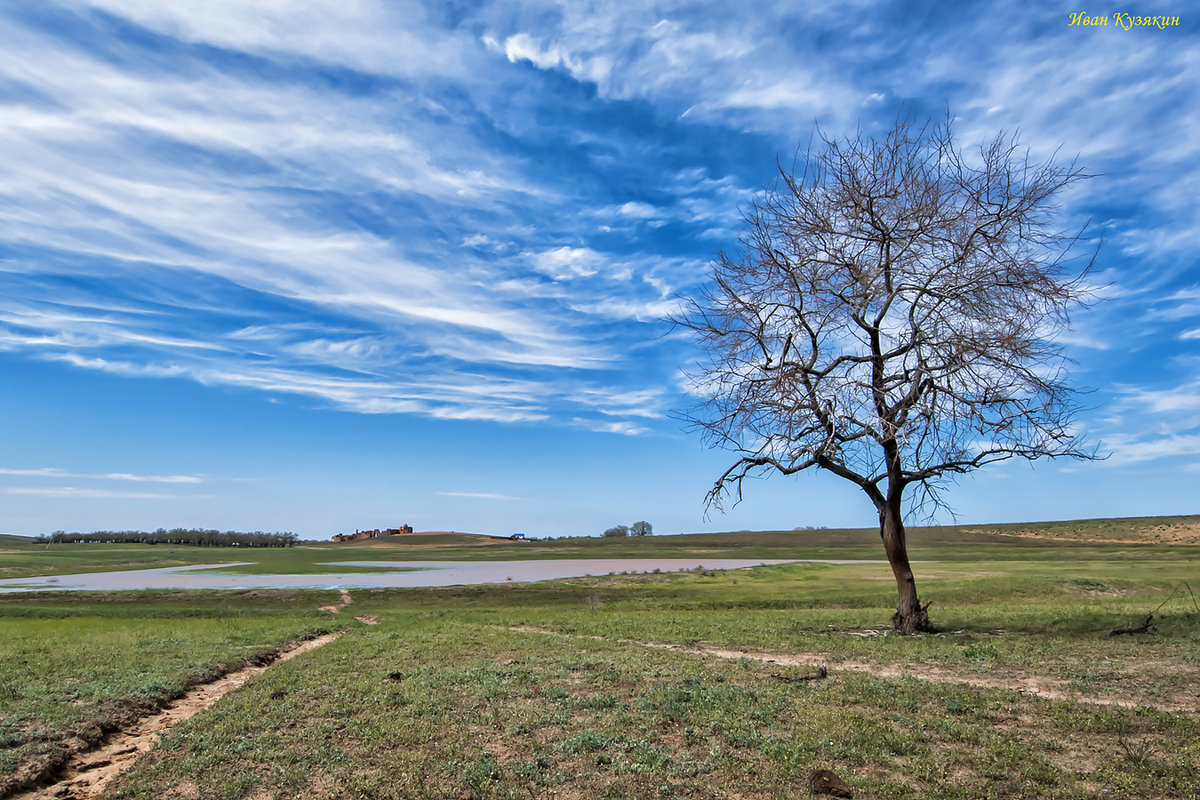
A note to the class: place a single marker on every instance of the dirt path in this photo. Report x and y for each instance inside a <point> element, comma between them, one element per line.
<point>88,773</point>
<point>344,599</point>
<point>1015,680</point>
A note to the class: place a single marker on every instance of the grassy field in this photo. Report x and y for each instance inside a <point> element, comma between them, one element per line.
<point>1142,537</point>
<point>635,686</point>
<point>75,668</point>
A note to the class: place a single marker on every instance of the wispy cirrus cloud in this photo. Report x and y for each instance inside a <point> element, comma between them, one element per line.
<point>1131,450</point>
<point>53,472</point>
<point>1150,423</point>
<point>346,34</point>
<point>1182,398</point>
<point>704,66</point>
<point>83,493</point>
<point>248,199</point>
<point>481,495</point>
<point>622,428</point>
<point>484,213</point>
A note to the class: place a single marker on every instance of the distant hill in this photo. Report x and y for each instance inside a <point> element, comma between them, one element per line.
<point>1180,530</point>
<point>427,539</point>
<point>1175,530</point>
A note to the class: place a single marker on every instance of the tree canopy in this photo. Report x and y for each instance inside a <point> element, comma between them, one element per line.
<point>193,536</point>
<point>892,317</point>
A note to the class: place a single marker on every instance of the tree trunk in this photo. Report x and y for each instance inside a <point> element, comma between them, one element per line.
<point>910,616</point>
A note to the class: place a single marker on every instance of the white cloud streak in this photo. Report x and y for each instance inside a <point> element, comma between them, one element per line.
<point>74,492</point>
<point>1126,451</point>
<point>481,495</point>
<point>390,210</point>
<point>77,189</point>
<point>52,472</point>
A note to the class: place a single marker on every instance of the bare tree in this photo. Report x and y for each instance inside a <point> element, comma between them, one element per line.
<point>891,317</point>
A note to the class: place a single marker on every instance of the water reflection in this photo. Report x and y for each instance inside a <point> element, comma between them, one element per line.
<point>415,574</point>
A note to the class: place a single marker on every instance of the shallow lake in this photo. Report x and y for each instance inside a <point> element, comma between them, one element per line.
<point>392,574</point>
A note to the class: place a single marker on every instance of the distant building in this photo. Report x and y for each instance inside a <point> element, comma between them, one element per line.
<point>372,534</point>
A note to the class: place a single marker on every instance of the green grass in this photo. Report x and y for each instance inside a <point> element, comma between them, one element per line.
<point>440,702</point>
<point>21,557</point>
<point>76,668</point>
<point>555,690</point>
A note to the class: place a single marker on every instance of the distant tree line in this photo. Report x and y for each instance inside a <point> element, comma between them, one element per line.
<point>193,536</point>
<point>642,528</point>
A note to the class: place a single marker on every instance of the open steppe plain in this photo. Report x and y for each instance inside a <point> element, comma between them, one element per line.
<point>702,684</point>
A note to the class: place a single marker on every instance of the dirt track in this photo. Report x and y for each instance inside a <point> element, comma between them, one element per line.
<point>87,773</point>
<point>344,599</point>
<point>1015,680</point>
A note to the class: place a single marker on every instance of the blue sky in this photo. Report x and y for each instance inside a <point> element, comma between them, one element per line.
<point>320,265</point>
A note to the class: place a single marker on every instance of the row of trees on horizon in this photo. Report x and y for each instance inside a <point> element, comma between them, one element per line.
<point>191,536</point>
<point>642,528</point>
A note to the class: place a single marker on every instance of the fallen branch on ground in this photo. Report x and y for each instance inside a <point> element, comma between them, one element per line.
<point>821,674</point>
<point>1145,627</point>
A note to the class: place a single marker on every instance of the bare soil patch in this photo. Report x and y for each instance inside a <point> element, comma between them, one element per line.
<point>1175,533</point>
<point>87,773</point>
<point>344,599</point>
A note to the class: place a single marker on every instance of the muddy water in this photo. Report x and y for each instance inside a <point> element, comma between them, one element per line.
<point>390,575</point>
